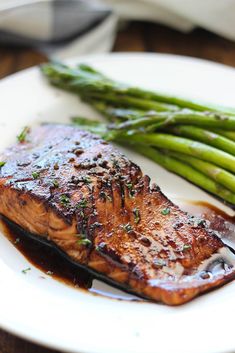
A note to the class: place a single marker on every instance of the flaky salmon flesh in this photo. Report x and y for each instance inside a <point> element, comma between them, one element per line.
<point>80,193</point>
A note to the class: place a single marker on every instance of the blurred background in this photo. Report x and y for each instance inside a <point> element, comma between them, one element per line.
<point>33,31</point>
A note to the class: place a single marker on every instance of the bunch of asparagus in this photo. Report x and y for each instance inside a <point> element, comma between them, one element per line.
<point>191,139</point>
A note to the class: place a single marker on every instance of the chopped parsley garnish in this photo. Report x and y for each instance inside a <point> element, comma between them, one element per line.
<point>127,227</point>
<point>115,163</point>
<point>49,273</point>
<point>83,240</point>
<point>64,200</point>
<point>165,211</point>
<point>55,183</point>
<point>17,240</point>
<point>22,136</point>
<point>35,175</point>
<point>201,223</point>
<point>82,204</point>
<point>130,188</point>
<point>104,196</point>
<point>2,164</point>
<point>82,214</point>
<point>86,180</point>
<point>26,270</point>
<point>136,213</point>
<point>186,247</point>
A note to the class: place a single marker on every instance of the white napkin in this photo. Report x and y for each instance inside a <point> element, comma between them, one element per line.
<point>60,28</point>
<point>215,15</point>
<point>64,28</point>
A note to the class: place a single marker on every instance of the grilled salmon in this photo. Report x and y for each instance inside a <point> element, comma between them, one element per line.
<point>80,193</point>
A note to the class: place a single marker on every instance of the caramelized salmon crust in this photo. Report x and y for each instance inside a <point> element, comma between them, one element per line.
<point>92,202</point>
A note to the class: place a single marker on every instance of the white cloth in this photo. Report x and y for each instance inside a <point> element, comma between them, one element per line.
<point>60,28</point>
<point>217,16</point>
<point>64,28</point>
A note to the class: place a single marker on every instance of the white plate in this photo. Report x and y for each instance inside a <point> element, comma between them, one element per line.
<point>53,314</point>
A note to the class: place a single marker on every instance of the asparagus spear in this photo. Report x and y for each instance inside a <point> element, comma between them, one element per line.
<point>85,81</point>
<point>206,136</point>
<point>216,173</point>
<point>124,100</point>
<point>93,85</point>
<point>229,134</point>
<point>156,120</point>
<point>183,145</point>
<point>186,171</point>
<point>163,120</point>
<point>119,114</point>
<point>157,96</point>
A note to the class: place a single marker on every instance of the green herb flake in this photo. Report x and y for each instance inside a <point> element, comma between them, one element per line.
<point>129,186</point>
<point>105,196</point>
<point>65,201</point>
<point>127,227</point>
<point>49,273</point>
<point>115,163</point>
<point>165,211</point>
<point>86,180</point>
<point>2,164</point>
<point>186,247</point>
<point>35,175</point>
<point>83,240</point>
<point>17,240</point>
<point>55,183</point>
<point>136,213</point>
<point>26,270</point>
<point>201,223</point>
<point>82,204</point>
<point>22,136</point>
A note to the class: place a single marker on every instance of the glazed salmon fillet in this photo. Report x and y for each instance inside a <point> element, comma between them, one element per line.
<point>80,193</point>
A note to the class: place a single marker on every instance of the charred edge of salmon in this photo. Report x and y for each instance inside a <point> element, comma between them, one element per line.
<point>102,277</point>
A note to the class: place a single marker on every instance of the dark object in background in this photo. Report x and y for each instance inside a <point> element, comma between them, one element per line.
<point>53,24</point>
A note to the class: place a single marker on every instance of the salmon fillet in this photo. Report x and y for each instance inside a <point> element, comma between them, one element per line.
<point>80,193</point>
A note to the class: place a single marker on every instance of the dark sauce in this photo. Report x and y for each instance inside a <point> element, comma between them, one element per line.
<point>46,258</point>
<point>50,261</point>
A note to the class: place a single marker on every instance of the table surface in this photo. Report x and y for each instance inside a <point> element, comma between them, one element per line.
<point>134,37</point>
